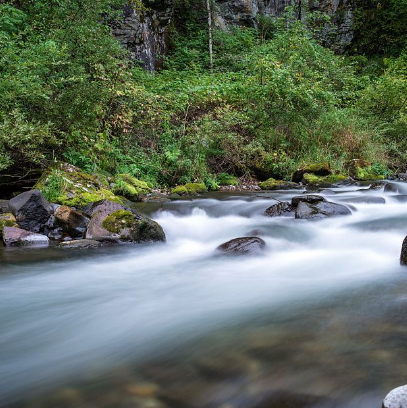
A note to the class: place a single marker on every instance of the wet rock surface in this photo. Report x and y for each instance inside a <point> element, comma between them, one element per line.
<point>310,199</point>
<point>80,244</point>
<point>71,221</point>
<point>243,246</point>
<point>16,236</point>
<point>403,256</point>
<point>320,210</point>
<point>31,210</point>
<point>278,209</point>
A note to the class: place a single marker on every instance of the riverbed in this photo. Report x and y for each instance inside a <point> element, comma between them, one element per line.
<point>318,320</point>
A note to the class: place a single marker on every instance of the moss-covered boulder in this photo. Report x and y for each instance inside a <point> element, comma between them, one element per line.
<point>190,189</point>
<point>323,181</point>
<point>67,185</point>
<point>130,187</point>
<point>7,220</point>
<point>319,169</point>
<point>114,222</point>
<point>272,184</point>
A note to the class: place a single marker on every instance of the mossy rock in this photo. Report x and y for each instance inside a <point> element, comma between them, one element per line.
<point>319,169</point>
<point>310,178</point>
<point>118,220</point>
<point>190,189</point>
<point>130,187</point>
<point>67,185</point>
<point>272,184</point>
<point>7,220</point>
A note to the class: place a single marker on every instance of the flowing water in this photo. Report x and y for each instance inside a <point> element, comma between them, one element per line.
<point>318,320</point>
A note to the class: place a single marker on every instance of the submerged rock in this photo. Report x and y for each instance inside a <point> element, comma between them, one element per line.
<point>278,209</point>
<point>403,256</point>
<point>31,210</point>
<point>114,222</point>
<point>243,246</point>
<point>80,244</point>
<point>71,221</point>
<point>310,199</point>
<point>16,236</point>
<point>396,398</point>
<point>321,210</point>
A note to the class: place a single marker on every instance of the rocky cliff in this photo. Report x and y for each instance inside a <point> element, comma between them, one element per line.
<point>144,33</point>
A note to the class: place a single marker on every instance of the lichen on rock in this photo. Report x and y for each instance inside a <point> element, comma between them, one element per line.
<point>7,220</point>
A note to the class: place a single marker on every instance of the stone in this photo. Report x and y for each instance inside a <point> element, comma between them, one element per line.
<point>276,210</point>
<point>391,188</point>
<point>243,246</point>
<point>396,398</point>
<point>309,198</point>
<point>16,236</point>
<point>403,256</point>
<point>316,169</point>
<point>71,221</point>
<point>114,222</point>
<point>321,210</point>
<point>272,184</point>
<point>31,210</point>
<point>80,244</point>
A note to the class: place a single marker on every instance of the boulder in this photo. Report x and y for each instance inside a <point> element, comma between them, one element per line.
<point>16,236</point>
<point>31,210</point>
<point>403,256</point>
<point>281,208</point>
<point>396,398</point>
<point>391,188</point>
<point>243,246</point>
<point>114,222</point>
<point>71,221</point>
<point>309,198</point>
<point>317,169</point>
<point>272,184</point>
<point>321,210</point>
<point>190,189</point>
<point>80,244</point>
<point>7,220</point>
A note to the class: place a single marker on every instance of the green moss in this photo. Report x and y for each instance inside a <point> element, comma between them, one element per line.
<point>7,220</point>
<point>181,190</point>
<point>332,178</point>
<point>141,186</point>
<point>272,184</point>
<point>118,220</point>
<point>225,179</point>
<point>82,199</point>
<point>196,188</point>
<point>126,190</point>
<point>318,168</point>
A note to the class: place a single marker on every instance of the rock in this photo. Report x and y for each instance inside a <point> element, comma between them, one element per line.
<point>316,169</point>
<point>272,184</point>
<point>282,208</point>
<point>4,206</point>
<point>53,207</point>
<point>396,398</point>
<point>80,244</point>
<point>31,210</point>
<point>190,189</point>
<point>114,222</point>
<point>327,191</point>
<point>243,246</point>
<point>310,199</point>
<point>391,188</point>
<point>128,186</point>
<point>7,220</point>
<point>403,256</point>
<point>321,210</point>
<point>71,221</point>
<point>16,236</point>
<point>400,198</point>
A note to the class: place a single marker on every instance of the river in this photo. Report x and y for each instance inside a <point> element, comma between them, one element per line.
<point>318,320</point>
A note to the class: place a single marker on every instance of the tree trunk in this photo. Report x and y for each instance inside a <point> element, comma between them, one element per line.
<point>208,8</point>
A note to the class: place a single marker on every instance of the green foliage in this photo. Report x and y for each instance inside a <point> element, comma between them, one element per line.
<point>225,179</point>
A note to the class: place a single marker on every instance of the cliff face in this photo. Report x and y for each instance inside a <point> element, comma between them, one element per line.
<point>144,34</point>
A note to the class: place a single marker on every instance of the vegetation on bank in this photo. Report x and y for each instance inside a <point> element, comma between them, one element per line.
<point>277,100</point>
